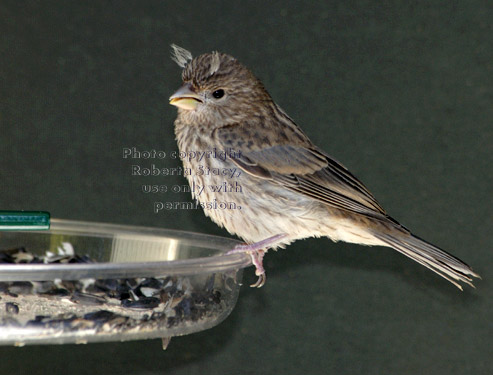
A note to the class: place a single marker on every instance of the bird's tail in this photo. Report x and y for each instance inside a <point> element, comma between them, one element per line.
<point>430,256</point>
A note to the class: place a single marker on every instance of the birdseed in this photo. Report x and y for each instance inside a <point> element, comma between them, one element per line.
<point>106,306</point>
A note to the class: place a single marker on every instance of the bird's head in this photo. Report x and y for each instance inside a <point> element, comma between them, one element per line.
<point>216,87</point>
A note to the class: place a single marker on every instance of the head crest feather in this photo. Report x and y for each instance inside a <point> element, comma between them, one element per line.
<point>215,63</point>
<point>180,55</point>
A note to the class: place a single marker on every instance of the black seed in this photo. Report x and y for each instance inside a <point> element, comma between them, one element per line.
<point>172,321</point>
<point>138,293</point>
<point>123,289</point>
<point>142,303</point>
<point>69,285</point>
<point>39,320</point>
<point>6,258</point>
<point>93,288</point>
<point>80,259</point>
<point>124,296</point>
<point>100,316</point>
<point>132,283</point>
<point>87,299</point>
<point>108,284</point>
<point>171,289</point>
<point>4,287</point>
<point>20,287</point>
<point>152,283</point>
<point>58,292</point>
<point>216,297</point>
<point>184,307</point>
<point>199,298</point>
<point>56,259</point>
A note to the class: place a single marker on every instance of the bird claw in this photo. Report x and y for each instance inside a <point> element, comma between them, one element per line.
<point>257,260</point>
<point>260,282</point>
<point>257,252</point>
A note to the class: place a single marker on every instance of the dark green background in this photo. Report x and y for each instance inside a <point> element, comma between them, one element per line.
<point>401,93</point>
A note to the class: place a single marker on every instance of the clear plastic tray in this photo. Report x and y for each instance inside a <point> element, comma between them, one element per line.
<point>85,282</point>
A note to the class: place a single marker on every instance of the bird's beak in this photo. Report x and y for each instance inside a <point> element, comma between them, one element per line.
<point>185,97</point>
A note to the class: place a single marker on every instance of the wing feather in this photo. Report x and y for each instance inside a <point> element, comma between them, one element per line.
<point>299,166</point>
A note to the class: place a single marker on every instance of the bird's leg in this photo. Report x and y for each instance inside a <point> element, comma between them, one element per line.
<point>257,251</point>
<point>257,260</point>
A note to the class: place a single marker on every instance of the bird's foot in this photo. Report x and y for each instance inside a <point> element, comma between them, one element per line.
<point>257,251</point>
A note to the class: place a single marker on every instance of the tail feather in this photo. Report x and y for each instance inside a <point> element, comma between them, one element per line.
<point>444,264</point>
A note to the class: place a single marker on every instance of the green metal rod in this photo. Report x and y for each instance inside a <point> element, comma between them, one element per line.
<point>24,220</point>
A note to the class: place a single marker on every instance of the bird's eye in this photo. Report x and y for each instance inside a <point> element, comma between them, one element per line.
<point>218,94</point>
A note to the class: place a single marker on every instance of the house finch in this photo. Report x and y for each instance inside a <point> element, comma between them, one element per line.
<point>256,173</point>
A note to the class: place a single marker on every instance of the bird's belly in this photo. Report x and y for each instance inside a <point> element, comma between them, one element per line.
<point>256,209</point>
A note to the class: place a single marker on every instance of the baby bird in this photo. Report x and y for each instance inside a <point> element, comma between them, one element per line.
<point>283,187</point>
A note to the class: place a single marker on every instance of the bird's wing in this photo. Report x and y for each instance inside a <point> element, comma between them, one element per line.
<point>298,165</point>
